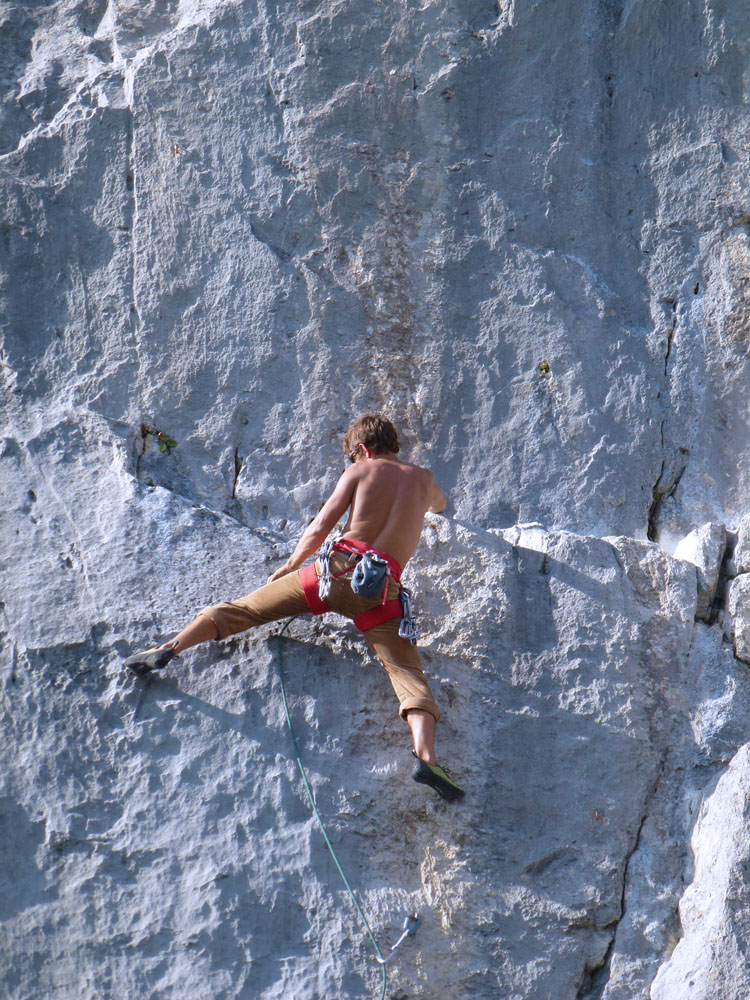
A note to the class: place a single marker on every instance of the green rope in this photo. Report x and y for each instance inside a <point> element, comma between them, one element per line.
<point>314,808</point>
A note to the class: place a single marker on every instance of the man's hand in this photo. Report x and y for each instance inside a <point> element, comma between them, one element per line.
<point>281,571</point>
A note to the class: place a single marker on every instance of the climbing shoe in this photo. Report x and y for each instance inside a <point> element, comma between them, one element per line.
<point>150,659</point>
<point>434,776</point>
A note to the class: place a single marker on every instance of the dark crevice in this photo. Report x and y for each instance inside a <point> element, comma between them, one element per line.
<point>661,489</point>
<point>129,222</point>
<point>238,463</point>
<point>140,446</point>
<point>661,492</point>
<point>656,500</point>
<point>609,77</point>
<point>720,594</point>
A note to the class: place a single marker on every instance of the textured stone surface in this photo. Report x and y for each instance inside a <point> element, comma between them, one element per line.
<point>713,909</point>
<point>521,229</point>
<point>705,548</point>
<point>168,845</point>
<point>737,624</point>
<point>742,548</point>
<point>233,222</point>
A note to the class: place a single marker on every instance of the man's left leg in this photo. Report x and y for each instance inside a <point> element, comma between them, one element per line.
<point>422,725</point>
<point>416,704</point>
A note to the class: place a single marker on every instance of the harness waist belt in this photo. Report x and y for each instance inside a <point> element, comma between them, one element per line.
<point>355,547</point>
<point>308,578</point>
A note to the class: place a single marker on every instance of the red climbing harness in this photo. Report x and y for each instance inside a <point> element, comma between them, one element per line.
<point>355,547</point>
<point>384,612</point>
<point>309,580</point>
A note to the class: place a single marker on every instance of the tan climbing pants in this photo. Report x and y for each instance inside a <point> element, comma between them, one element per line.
<point>284,598</point>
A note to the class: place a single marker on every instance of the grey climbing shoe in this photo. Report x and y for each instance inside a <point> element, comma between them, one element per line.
<point>150,659</point>
<point>434,776</point>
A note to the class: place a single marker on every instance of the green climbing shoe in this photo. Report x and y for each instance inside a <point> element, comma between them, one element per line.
<point>150,659</point>
<point>434,776</point>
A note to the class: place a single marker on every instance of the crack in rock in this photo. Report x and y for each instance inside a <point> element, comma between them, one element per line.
<point>596,977</point>
<point>660,493</point>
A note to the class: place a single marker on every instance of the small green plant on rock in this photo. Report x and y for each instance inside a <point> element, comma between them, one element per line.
<point>164,441</point>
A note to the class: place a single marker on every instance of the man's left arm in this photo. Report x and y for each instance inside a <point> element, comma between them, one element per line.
<point>436,498</point>
<point>321,525</point>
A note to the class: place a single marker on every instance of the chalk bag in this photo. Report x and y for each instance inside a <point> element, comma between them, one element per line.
<point>368,578</point>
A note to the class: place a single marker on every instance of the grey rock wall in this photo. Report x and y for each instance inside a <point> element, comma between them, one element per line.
<point>521,230</point>
<point>238,224</point>
<point>158,836</point>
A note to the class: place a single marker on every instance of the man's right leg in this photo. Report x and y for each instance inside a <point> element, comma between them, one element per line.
<point>200,629</point>
<point>283,598</point>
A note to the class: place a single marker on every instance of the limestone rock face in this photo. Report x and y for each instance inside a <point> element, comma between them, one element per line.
<point>705,548</point>
<point>180,800</point>
<point>520,230</point>
<point>706,960</point>
<point>738,616</point>
<point>742,547</point>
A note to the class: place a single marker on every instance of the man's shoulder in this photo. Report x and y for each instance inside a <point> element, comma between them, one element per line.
<point>408,466</point>
<point>411,470</point>
<point>422,470</point>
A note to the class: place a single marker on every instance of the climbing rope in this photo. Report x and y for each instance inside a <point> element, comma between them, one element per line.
<point>317,815</point>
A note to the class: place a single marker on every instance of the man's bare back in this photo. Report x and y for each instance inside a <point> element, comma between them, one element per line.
<point>388,504</point>
<point>387,501</point>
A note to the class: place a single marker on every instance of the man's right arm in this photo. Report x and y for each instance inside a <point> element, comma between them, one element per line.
<point>320,527</point>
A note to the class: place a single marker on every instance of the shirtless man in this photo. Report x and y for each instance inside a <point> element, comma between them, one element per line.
<point>387,500</point>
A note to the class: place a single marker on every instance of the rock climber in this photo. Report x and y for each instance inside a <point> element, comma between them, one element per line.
<point>357,575</point>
